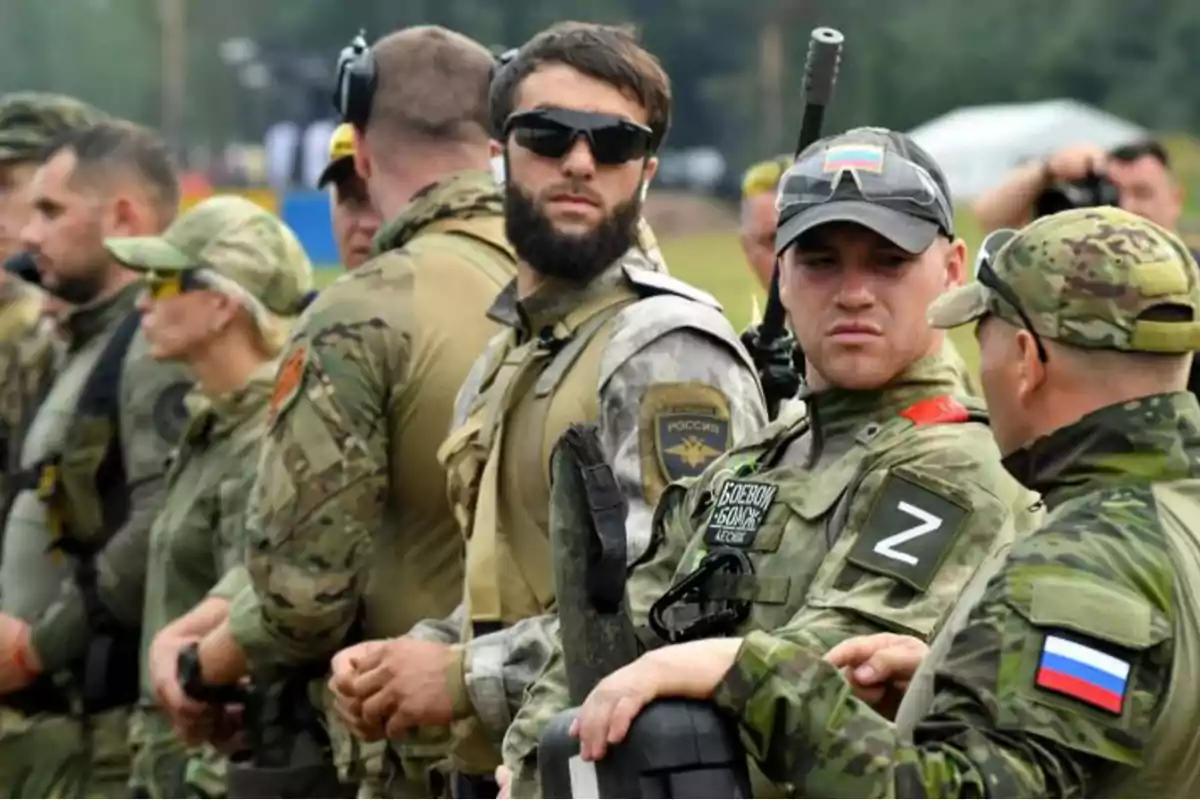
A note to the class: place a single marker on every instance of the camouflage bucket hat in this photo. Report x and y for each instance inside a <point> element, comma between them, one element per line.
<point>228,240</point>
<point>31,120</point>
<point>1099,278</point>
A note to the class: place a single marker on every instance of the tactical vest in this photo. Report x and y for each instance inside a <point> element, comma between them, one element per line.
<point>18,317</point>
<point>725,586</point>
<point>83,489</point>
<point>497,461</point>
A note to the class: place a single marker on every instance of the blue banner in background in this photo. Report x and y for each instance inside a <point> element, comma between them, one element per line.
<point>307,213</point>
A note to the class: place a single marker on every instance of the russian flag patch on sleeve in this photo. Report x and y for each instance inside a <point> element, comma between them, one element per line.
<point>1084,673</point>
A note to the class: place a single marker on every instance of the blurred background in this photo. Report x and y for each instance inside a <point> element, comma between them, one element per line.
<point>241,88</point>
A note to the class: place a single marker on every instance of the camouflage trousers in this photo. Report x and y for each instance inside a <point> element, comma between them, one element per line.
<point>165,767</point>
<point>53,756</point>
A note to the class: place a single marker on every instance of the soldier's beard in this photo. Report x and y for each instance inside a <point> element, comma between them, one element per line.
<point>577,258</point>
<point>79,290</point>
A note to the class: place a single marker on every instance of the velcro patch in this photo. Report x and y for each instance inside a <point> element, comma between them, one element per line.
<point>909,532</point>
<point>688,441</point>
<point>287,382</point>
<point>739,511</point>
<point>1082,672</point>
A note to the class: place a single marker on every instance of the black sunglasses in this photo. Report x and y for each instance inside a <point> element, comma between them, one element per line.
<point>551,132</point>
<point>986,275</point>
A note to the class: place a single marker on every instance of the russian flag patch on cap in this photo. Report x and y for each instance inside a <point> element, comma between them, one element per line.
<point>1084,673</point>
<point>866,157</point>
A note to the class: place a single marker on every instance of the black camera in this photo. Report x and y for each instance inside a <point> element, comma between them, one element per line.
<point>1094,190</point>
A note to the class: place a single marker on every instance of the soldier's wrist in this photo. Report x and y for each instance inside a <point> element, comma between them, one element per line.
<point>456,683</point>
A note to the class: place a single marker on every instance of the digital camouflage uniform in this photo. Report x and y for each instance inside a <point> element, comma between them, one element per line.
<point>1073,675</point>
<point>198,537</point>
<point>656,366</point>
<point>349,519</point>
<point>28,345</point>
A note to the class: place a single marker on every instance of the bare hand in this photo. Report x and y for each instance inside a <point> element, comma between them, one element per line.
<point>191,719</point>
<point>1075,162</point>
<point>879,667</point>
<point>402,685</point>
<point>690,670</point>
<point>18,665</point>
<point>345,668</point>
<point>504,779</point>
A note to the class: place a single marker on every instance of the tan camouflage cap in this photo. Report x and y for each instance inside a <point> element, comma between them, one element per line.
<point>1099,278</point>
<point>31,120</point>
<point>235,239</point>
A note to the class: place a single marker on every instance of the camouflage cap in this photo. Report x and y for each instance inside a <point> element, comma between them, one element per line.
<point>1099,278</point>
<point>235,239</point>
<point>31,120</point>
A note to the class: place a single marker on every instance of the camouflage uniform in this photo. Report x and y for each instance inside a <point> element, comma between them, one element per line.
<point>28,345</point>
<point>349,519</point>
<point>650,360</point>
<point>1074,673</point>
<point>198,537</point>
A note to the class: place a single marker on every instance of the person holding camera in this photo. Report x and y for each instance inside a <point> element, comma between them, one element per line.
<point>1138,178</point>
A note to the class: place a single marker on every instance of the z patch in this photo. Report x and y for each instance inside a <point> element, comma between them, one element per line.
<point>908,534</point>
<point>1084,673</point>
<point>287,382</point>
<point>740,510</point>
<point>688,441</point>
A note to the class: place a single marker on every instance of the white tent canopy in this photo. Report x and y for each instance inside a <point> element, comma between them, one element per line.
<point>977,146</point>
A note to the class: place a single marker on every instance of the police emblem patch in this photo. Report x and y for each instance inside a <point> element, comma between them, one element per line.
<point>739,511</point>
<point>687,442</point>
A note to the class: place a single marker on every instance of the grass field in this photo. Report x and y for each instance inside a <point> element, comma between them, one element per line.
<point>714,262</point>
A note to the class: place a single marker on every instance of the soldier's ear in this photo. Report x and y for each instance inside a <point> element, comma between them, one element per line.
<point>362,159</point>
<point>956,264</point>
<point>1031,370</point>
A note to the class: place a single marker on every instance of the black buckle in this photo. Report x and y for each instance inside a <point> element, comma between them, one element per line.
<point>713,618</point>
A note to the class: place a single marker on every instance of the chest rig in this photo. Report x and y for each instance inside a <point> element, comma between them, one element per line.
<point>743,513</point>
<point>497,460</point>
<point>83,489</point>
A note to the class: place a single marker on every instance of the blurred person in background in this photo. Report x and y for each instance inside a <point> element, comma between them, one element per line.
<point>28,121</point>
<point>355,219</point>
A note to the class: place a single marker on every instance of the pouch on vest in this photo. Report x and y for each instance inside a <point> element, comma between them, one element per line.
<point>83,489</point>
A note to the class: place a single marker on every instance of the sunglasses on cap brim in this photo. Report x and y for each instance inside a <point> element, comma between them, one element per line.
<point>985,273</point>
<point>552,132</point>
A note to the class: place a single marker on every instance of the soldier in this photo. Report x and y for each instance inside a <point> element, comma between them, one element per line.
<point>871,512</point>
<point>349,519</point>
<point>355,220</point>
<point>221,285</point>
<point>1070,676</point>
<point>28,351</point>
<point>92,464</point>
<point>591,335</point>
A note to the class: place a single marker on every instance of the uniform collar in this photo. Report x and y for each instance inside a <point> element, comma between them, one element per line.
<point>215,416</point>
<point>462,195</point>
<point>554,299</point>
<point>86,322</point>
<point>1156,438</point>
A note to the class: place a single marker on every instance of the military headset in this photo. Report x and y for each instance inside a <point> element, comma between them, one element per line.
<point>357,77</point>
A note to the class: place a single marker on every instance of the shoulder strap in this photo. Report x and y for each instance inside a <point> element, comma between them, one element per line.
<point>101,395</point>
<point>649,283</point>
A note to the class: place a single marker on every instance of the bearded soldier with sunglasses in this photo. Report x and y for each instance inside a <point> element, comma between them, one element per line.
<point>870,512</point>
<point>1068,668</point>
<point>591,335</point>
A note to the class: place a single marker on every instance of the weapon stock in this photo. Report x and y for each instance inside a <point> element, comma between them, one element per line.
<point>770,344</point>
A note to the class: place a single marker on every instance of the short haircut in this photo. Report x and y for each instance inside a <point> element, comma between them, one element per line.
<point>119,147</point>
<point>431,85</point>
<point>1128,153</point>
<point>609,53</point>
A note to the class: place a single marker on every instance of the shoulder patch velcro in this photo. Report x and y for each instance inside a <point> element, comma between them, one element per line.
<point>288,381</point>
<point>909,532</point>
<point>1085,673</point>
<point>171,413</point>
<point>936,411</point>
